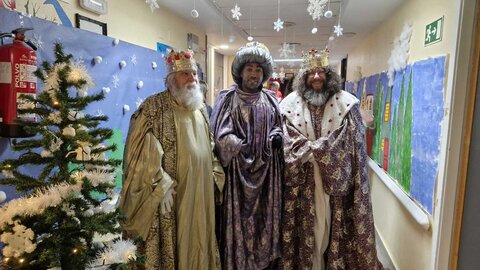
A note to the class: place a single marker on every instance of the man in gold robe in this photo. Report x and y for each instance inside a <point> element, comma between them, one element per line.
<point>171,175</point>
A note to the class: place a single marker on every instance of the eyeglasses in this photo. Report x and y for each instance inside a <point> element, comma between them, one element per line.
<point>319,72</point>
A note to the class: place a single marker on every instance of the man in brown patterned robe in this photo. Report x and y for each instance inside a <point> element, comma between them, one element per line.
<point>327,217</point>
<point>171,174</point>
<point>247,126</point>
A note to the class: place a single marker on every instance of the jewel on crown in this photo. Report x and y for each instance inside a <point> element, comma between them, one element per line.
<point>315,58</point>
<point>180,61</point>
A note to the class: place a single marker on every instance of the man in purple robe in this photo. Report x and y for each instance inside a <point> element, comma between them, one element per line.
<point>327,217</point>
<point>247,128</point>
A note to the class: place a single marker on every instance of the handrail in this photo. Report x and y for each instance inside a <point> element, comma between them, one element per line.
<point>418,213</point>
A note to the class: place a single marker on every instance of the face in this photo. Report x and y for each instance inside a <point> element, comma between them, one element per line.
<point>316,79</point>
<point>252,75</point>
<point>186,78</point>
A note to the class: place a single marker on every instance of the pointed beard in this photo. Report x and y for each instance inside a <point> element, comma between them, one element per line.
<point>316,98</point>
<point>190,96</point>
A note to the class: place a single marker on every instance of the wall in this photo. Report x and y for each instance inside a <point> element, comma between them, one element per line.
<point>410,246</point>
<point>130,21</point>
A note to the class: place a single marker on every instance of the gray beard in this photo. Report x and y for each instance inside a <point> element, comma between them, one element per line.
<point>190,97</point>
<point>315,98</point>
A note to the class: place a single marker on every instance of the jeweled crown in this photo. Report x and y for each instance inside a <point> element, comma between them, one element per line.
<point>180,61</point>
<point>315,58</point>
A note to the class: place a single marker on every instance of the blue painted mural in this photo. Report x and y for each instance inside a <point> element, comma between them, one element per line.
<point>408,119</point>
<point>121,84</point>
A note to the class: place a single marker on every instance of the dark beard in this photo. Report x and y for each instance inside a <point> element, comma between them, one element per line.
<point>316,98</point>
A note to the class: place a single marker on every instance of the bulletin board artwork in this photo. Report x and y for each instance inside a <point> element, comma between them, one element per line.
<point>405,140</point>
<point>125,72</point>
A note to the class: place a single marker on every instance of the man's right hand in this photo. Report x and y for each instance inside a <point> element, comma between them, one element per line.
<point>167,203</point>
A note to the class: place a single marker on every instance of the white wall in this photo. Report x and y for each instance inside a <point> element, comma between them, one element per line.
<point>409,245</point>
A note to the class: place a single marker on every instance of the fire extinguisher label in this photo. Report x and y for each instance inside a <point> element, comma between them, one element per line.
<point>5,72</point>
<point>23,74</point>
<point>25,104</point>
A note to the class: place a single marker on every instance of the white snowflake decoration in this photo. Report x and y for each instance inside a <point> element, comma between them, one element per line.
<point>338,30</point>
<point>18,242</point>
<point>278,25</point>
<point>236,12</point>
<point>274,75</point>
<point>133,59</point>
<point>99,113</point>
<point>37,39</point>
<point>115,81</point>
<point>316,8</point>
<point>285,50</point>
<point>152,4</point>
<point>139,102</point>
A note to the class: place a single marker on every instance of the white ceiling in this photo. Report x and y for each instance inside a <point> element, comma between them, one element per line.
<point>357,18</point>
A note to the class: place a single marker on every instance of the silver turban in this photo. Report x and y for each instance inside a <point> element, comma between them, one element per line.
<point>253,52</point>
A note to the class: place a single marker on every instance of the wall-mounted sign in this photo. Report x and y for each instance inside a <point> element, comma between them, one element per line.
<point>433,32</point>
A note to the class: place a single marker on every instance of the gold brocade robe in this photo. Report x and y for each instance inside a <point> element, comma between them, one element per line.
<point>169,146</point>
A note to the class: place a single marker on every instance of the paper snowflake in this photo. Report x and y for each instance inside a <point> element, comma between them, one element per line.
<point>236,12</point>
<point>37,39</point>
<point>338,30</point>
<point>115,81</point>
<point>274,75</point>
<point>152,4</point>
<point>316,8</point>
<point>285,50</point>
<point>133,59</point>
<point>278,25</point>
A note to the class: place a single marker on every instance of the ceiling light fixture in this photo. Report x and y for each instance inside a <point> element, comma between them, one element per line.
<point>288,60</point>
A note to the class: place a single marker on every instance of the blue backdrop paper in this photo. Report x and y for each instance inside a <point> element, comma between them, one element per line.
<point>84,46</point>
<point>428,105</point>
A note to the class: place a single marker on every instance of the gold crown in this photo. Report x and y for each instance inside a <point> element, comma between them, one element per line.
<point>315,59</point>
<point>180,61</point>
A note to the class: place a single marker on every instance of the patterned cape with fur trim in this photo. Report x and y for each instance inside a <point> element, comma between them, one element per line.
<point>339,151</point>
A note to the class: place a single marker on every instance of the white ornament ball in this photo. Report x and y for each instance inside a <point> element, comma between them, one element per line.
<point>97,60</point>
<point>328,14</point>
<point>250,38</point>
<point>106,90</point>
<point>194,13</point>
<point>314,30</point>
<point>126,108</point>
<point>154,65</point>
<point>98,245</point>
<point>88,213</point>
<point>122,64</point>
<point>115,42</point>
<point>139,85</point>
<point>331,38</point>
<point>68,131</point>
<point>3,196</point>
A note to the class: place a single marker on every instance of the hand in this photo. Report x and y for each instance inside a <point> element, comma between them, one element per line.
<point>167,203</point>
<point>277,141</point>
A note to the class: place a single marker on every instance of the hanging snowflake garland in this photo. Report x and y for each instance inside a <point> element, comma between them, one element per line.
<point>152,4</point>
<point>278,25</point>
<point>316,8</point>
<point>285,50</point>
<point>236,12</point>
<point>338,30</point>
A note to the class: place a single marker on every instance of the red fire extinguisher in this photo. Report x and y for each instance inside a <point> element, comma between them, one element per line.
<point>18,62</point>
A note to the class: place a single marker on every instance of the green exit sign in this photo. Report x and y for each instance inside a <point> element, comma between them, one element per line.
<point>433,32</point>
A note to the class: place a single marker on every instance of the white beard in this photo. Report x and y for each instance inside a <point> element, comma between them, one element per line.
<point>315,98</point>
<point>190,96</point>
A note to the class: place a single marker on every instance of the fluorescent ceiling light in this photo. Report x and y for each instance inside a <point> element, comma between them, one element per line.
<point>288,60</point>
<point>223,47</point>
